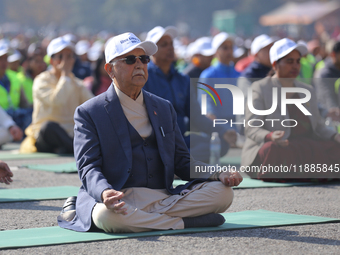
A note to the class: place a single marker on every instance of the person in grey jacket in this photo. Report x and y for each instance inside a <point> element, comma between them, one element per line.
<point>294,137</point>
<point>325,79</point>
<point>9,131</point>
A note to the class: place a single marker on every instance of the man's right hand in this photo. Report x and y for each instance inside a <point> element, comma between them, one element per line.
<point>111,199</point>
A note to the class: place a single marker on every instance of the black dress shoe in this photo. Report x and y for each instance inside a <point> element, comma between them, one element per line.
<point>207,220</point>
<point>70,204</point>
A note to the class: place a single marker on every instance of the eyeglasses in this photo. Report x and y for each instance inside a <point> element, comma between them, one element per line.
<point>131,59</point>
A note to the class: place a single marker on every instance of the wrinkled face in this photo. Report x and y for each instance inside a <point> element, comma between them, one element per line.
<point>263,55</point>
<point>128,77</point>
<point>3,63</point>
<point>288,66</point>
<point>166,52</point>
<point>224,53</point>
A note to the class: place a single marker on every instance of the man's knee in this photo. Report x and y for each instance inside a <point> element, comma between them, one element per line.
<point>106,219</point>
<point>223,196</point>
<point>112,222</point>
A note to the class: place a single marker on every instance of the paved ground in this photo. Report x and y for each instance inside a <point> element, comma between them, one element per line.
<point>308,239</point>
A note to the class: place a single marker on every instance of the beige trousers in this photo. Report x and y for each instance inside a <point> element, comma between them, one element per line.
<point>150,209</point>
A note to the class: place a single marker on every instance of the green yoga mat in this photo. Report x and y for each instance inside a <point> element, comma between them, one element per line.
<point>34,194</point>
<point>248,183</point>
<point>36,155</point>
<point>237,220</point>
<point>57,168</point>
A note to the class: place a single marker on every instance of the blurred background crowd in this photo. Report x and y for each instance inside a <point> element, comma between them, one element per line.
<point>28,27</point>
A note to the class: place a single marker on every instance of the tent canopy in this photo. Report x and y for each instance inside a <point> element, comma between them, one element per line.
<point>298,13</point>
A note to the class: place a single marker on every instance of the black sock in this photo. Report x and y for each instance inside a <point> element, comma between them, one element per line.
<point>207,220</point>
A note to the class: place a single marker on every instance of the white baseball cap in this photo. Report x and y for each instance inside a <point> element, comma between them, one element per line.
<point>202,46</point>
<point>221,38</point>
<point>283,47</point>
<point>70,37</point>
<point>155,34</point>
<point>124,43</point>
<point>57,45</point>
<point>82,47</point>
<point>3,47</point>
<point>260,42</point>
<point>15,56</point>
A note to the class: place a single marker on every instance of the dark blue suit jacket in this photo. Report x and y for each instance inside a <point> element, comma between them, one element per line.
<point>103,150</point>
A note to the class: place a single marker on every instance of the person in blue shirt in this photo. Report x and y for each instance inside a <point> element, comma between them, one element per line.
<point>217,74</point>
<point>166,82</point>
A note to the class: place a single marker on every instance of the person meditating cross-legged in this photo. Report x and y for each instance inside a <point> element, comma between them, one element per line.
<point>304,146</point>
<point>128,147</point>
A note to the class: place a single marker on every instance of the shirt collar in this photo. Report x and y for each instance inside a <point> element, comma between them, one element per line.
<point>123,98</point>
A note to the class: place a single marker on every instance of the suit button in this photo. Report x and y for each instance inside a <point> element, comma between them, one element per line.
<point>129,170</point>
<point>149,159</point>
<point>150,175</point>
<point>145,144</point>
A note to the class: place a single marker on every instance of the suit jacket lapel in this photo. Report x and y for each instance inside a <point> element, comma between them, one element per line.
<point>117,117</point>
<point>152,110</point>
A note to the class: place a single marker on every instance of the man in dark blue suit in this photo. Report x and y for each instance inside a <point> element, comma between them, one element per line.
<point>128,147</point>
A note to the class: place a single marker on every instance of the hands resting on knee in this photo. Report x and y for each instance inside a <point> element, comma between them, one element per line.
<point>230,179</point>
<point>111,199</point>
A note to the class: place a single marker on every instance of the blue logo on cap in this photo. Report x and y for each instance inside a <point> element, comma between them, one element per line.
<point>285,47</point>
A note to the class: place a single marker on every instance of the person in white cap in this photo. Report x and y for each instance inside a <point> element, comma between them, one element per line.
<point>304,142</point>
<point>166,82</point>
<point>14,61</point>
<point>12,95</point>
<point>258,69</point>
<point>128,147</point>
<point>33,65</point>
<point>261,65</point>
<point>56,94</point>
<point>201,53</point>
<point>82,67</point>
<point>223,43</point>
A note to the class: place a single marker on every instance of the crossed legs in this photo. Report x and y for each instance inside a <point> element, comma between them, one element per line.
<point>149,209</point>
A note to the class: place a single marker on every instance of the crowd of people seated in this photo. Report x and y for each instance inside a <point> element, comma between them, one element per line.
<point>42,82</point>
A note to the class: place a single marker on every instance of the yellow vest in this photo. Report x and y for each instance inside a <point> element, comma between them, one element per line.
<point>11,99</point>
<point>337,86</point>
<point>27,84</point>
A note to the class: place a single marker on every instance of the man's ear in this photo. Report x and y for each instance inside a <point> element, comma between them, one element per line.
<point>275,65</point>
<point>109,69</point>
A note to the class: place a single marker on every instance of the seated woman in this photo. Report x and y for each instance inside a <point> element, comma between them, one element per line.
<point>288,146</point>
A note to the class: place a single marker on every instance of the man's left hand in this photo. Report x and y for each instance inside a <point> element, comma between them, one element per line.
<point>230,179</point>
<point>5,173</point>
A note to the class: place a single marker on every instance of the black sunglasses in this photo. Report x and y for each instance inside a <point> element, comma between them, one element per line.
<point>131,59</point>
